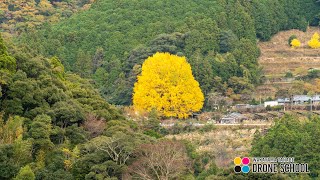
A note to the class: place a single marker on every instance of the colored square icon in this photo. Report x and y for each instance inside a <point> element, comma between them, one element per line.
<point>238,161</point>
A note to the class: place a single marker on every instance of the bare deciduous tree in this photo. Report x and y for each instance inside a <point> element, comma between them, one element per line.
<point>222,158</point>
<point>94,125</point>
<point>164,160</point>
<point>216,100</point>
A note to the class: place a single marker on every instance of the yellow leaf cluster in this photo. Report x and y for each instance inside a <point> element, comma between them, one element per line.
<point>314,42</point>
<point>166,83</point>
<point>66,151</point>
<point>295,43</point>
<point>67,164</point>
<point>313,87</point>
<point>11,130</point>
<point>40,159</point>
<point>70,157</point>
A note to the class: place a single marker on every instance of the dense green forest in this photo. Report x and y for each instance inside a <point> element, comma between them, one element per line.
<point>42,106</point>
<point>109,41</point>
<point>291,138</point>
<point>59,81</point>
<point>55,125</point>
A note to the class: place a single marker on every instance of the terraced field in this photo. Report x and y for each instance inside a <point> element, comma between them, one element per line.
<point>225,142</point>
<point>277,57</point>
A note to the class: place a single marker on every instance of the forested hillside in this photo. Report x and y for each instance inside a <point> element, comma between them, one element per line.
<point>42,107</point>
<point>66,64</point>
<point>17,16</point>
<point>54,125</point>
<point>109,41</point>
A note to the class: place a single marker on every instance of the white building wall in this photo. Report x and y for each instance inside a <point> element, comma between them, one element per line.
<point>271,103</point>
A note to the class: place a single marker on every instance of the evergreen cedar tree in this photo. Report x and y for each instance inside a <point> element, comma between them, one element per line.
<point>166,83</point>
<point>7,64</point>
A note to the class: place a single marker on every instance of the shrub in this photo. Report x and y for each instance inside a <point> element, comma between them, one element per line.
<point>268,108</point>
<point>295,43</point>
<point>277,108</point>
<point>312,74</point>
<point>152,133</point>
<point>292,37</point>
<point>207,128</point>
<point>288,75</point>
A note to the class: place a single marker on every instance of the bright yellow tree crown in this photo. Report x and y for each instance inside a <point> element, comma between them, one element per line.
<point>295,43</point>
<point>166,83</point>
<point>314,42</point>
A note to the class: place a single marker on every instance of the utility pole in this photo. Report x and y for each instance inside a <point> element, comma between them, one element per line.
<point>260,99</point>
<point>315,99</point>
<point>291,101</point>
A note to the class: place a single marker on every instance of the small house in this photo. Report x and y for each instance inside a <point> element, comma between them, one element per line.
<point>300,99</point>
<point>283,101</point>
<point>303,99</point>
<point>233,118</point>
<point>240,106</point>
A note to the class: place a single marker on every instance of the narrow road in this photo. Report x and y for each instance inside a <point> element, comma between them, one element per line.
<point>243,124</point>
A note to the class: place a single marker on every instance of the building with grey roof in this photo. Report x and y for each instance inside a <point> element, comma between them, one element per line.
<point>233,118</point>
<point>300,99</point>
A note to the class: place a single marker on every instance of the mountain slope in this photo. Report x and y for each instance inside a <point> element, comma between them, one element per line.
<point>278,58</point>
<point>110,40</point>
<point>20,16</point>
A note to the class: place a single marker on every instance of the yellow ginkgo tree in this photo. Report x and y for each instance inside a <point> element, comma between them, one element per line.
<point>166,84</point>
<point>314,42</point>
<point>295,43</point>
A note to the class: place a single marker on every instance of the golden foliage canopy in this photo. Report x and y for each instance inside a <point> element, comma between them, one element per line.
<point>20,15</point>
<point>166,84</point>
<point>314,42</point>
<point>295,43</point>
